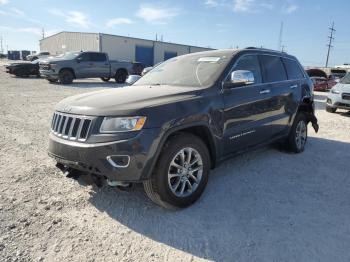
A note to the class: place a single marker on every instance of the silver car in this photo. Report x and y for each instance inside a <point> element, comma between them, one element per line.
<point>339,95</point>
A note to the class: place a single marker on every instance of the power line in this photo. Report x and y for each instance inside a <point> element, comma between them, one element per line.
<point>331,39</point>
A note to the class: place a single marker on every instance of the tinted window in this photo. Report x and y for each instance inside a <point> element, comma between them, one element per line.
<point>45,53</point>
<point>273,69</point>
<point>85,57</point>
<point>293,69</point>
<point>250,63</point>
<point>98,57</point>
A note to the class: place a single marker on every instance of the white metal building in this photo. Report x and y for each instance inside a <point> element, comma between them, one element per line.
<point>147,52</point>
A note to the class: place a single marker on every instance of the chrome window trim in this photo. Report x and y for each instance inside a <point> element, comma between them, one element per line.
<point>266,83</point>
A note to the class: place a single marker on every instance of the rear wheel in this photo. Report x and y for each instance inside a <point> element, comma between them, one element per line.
<point>105,79</point>
<point>181,173</point>
<point>298,135</point>
<point>121,76</point>
<point>66,77</point>
<point>331,109</point>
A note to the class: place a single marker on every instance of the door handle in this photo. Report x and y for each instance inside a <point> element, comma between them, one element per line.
<point>265,91</point>
<point>293,86</point>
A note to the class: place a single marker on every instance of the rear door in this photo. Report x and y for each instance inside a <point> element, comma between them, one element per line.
<point>100,65</point>
<point>282,93</point>
<point>247,109</point>
<point>83,67</point>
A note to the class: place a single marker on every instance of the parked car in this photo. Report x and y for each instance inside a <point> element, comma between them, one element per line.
<point>132,79</point>
<point>40,55</point>
<point>146,70</point>
<point>149,68</point>
<point>182,119</point>
<point>323,84</point>
<point>24,69</point>
<point>339,96</point>
<point>77,65</point>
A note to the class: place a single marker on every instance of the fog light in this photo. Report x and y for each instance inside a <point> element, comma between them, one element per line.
<point>120,161</point>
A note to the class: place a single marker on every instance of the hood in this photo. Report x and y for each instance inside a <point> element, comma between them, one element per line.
<point>126,100</point>
<point>344,88</point>
<point>53,59</point>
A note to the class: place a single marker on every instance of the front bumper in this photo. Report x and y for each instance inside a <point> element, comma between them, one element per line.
<point>49,74</point>
<point>93,158</point>
<point>336,101</point>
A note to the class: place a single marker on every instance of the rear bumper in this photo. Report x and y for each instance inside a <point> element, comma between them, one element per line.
<point>95,158</point>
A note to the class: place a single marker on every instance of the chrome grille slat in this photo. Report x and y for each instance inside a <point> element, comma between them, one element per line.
<point>72,127</point>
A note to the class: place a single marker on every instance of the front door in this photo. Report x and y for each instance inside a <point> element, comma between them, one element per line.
<point>247,109</point>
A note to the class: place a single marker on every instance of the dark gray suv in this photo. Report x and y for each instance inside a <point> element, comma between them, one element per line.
<point>182,119</point>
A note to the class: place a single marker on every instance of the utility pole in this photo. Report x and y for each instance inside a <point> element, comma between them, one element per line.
<point>43,33</point>
<point>331,39</point>
<point>279,47</point>
<point>1,47</point>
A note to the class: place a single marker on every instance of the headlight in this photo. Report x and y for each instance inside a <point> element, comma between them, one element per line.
<point>333,91</point>
<point>122,124</point>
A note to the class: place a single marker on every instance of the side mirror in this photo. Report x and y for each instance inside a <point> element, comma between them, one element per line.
<point>240,78</point>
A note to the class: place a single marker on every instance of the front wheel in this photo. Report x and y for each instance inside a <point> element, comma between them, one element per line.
<point>331,109</point>
<point>105,79</point>
<point>298,134</point>
<point>121,76</point>
<point>66,77</point>
<point>181,174</point>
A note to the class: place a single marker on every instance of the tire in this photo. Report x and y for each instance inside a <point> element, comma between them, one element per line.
<point>121,76</point>
<point>158,187</point>
<point>66,77</point>
<point>297,137</point>
<point>331,109</point>
<point>105,79</point>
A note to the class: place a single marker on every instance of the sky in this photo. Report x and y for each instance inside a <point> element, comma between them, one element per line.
<point>208,23</point>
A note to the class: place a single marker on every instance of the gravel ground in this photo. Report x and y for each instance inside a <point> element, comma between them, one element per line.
<point>265,205</point>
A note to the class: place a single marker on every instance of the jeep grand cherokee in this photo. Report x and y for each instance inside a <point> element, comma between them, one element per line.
<point>183,118</point>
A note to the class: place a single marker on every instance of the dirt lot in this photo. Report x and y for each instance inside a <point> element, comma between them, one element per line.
<point>265,205</point>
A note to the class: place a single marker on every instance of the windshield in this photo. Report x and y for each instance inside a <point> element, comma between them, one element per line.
<point>69,55</point>
<point>346,79</point>
<point>196,70</point>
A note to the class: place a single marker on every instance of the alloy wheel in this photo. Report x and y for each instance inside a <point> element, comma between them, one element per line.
<point>185,172</point>
<point>301,135</point>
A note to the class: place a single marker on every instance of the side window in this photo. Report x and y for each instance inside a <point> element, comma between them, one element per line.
<point>85,57</point>
<point>250,63</point>
<point>273,69</point>
<point>98,57</point>
<point>293,69</point>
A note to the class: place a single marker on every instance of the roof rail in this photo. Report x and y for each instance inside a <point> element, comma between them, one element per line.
<point>264,49</point>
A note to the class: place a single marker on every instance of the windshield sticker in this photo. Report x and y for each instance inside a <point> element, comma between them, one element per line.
<point>209,59</point>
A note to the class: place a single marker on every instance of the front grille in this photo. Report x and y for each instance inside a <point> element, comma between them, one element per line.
<point>44,66</point>
<point>71,127</point>
<point>346,96</point>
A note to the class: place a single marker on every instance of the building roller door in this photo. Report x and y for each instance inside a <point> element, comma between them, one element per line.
<point>144,54</point>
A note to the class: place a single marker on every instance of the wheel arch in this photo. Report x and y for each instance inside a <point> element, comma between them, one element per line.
<point>69,69</point>
<point>200,130</point>
<point>308,108</point>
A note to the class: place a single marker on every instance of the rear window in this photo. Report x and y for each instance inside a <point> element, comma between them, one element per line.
<point>293,69</point>
<point>273,69</point>
<point>98,57</point>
